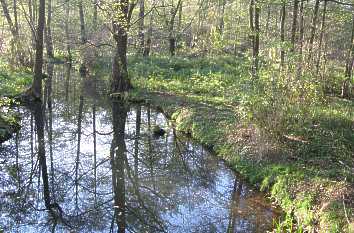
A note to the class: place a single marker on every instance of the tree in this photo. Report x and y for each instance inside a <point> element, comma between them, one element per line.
<point>142,25</point>
<point>349,65</point>
<point>49,40</point>
<point>254,14</point>
<point>171,24</point>
<point>294,25</point>
<point>38,75</point>
<point>282,33</point>
<point>120,79</point>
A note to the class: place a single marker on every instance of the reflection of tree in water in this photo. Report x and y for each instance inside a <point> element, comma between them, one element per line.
<point>106,171</point>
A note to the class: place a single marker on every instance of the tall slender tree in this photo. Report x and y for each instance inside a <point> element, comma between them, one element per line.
<point>120,78</point>
<point>38,66</point>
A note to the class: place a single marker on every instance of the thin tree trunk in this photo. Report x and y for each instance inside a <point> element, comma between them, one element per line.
<point>301,38</point>
<point>321,37</point>
<point>67,33</point>
<point>82,24</point>
<point>282,34</point>
<point>95,13</point>
<point>15,16</point>
<point>147,47</point>
<point>171,34</point>
<point>37,81</point>
<point>268,19</point>
<point>252,31</point>
<point>257,13</point>
<point>294,25</point>
<point>49,40</point>
<point>7,15</point>
<point>222,12</point>
<point>141,25</point>
<point>313,29</point>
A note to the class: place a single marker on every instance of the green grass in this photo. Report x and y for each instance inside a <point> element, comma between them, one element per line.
<point>13,81</point>
<point>301,153</point>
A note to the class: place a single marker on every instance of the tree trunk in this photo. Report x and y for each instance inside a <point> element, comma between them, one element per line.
<point>141,25</point>
<point>95,14</point>
<point>321,36</point>
<point>282,34</point>
<point>120,79</point>
<point>7,15</point>
<point>257,13</point>
<point>267,22</point>
<point>49,40</point>
<point>67,33</point>
<point>313,29</point>
<point>222,4</point>
<point>171,34</point>
<point>147,46</point>
<point>37,81</point>
<point>301,38</point>
<point>251,25</point>
<point>294,25</point>
<point>82,24</point>
<point>15,16</point>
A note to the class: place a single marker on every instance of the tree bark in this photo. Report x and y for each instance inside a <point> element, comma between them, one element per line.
<point>171,34</point>
<point>282,34</point>
<point>82,24</point>
<point>37,81</point>
<point>313,29</point>
<point>67,33</point>
<point>7,15</point>
<point>301,38</point>
<point>120,79</point>
<point>49,40</point>
<point>321,36</point>
<point>147,46</point>
<point>222,4</point>
<point>141,25</point>
<point>257,13</point>
<point>294,25</point>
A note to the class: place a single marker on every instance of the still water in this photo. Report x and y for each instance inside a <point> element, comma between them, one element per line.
<point>85,163</point>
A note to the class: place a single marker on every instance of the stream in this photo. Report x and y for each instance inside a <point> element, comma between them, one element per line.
<point>86,163</point>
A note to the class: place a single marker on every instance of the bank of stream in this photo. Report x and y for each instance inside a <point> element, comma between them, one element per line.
<point>105,170</point>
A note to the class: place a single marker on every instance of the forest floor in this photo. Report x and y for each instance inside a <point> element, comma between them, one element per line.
<point>308,172</point>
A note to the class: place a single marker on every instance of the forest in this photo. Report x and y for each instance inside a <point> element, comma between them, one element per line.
<point>177,116</point>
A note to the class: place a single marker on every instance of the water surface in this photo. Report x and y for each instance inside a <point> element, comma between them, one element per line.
<point>103,170</point>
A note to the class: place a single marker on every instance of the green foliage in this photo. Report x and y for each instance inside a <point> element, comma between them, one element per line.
<point>209,97</point>
<point>13,82</point>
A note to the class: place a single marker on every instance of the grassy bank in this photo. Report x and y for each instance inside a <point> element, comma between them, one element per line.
<point>301,153</point>
<point>12,83</point>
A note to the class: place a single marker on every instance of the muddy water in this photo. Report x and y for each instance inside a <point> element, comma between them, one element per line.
<point>85,163</point>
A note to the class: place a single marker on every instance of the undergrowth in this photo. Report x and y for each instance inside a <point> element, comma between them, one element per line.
<point>284,134</point>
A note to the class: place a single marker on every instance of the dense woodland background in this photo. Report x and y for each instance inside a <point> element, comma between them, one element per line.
<point>300,38</point>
